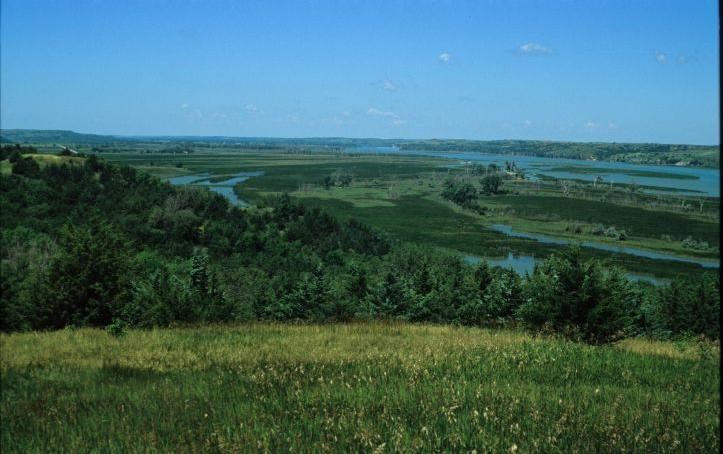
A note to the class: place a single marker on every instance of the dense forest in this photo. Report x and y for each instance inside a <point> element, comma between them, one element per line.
<point>88,243</point>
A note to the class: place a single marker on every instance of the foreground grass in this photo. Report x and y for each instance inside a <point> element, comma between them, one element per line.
<point>359,387</point>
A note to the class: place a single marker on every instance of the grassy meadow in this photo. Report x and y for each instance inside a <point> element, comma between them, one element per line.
<point>360,387</point>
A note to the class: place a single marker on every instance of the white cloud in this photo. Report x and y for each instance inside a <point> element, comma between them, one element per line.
<point>527,122</point>
<point>661,58</point>
<point>381,113</point>
<point>184,106</point>
<point>251,108</point>
<point>534,49</point>
<point>388,85</point>
<point>445,57</point>
<point>386,114</point>
<point>681,60</point>
<point>612,125</point>
<point>592,125</point>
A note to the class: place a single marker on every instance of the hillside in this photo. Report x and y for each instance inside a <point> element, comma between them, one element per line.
<point>43,136</point>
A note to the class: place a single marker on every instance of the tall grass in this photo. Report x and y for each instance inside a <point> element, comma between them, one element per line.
<point>358,387</point>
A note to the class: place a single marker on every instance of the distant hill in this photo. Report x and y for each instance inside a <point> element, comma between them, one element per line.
<point>42,136</point>
<point>641,153</point>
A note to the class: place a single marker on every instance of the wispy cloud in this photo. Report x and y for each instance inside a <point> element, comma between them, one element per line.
<point>184,106</point>
<point>681,60</point>
<point>251,108</point>
<point>381,113</point>
<point>534,49</point>
<point>592,125</point>
<point>661,58</point>
<point>395,119</point>
<point>445,57</point>
<point>388,85</point>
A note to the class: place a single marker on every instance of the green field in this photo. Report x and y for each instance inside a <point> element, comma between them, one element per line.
<point>361,387</point>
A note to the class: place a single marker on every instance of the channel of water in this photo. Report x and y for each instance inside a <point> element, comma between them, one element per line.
<point>223,187</point>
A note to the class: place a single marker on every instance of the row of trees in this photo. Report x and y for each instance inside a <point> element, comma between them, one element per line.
<point>97,244</point>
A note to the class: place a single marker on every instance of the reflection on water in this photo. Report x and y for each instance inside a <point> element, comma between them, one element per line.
<point>223,187</point>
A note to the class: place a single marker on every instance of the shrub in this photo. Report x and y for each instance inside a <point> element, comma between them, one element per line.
<point>598,229</point>
<point>611,232</point>
<point>88,278</point>
<point>688,305</point>
<point>578,297</point>
<point>459,192</point>
<point>491,184</point>
<point>690,243</point>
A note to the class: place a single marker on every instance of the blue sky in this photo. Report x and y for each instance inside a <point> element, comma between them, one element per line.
<point>624,71</point>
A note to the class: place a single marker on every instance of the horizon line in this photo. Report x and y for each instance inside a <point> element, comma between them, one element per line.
<point>152,136</point>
